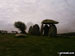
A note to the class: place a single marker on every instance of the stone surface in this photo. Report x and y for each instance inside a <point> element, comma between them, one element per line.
<point>20,35</point>
<point>48,21</point>
<point>52,31</point>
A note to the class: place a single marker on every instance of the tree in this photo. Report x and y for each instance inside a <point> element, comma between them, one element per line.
<point>36,30</point>
<point>21,26</point>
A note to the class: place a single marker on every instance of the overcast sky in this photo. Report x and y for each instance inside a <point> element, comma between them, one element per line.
<point>35,11</point>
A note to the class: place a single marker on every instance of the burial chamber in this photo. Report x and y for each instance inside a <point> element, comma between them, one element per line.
<point>48,27</point>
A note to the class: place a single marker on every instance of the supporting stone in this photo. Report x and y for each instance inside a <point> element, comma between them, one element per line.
<point>52,31</point>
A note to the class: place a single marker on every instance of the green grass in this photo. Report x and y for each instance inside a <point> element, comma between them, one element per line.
<point>34,45</point>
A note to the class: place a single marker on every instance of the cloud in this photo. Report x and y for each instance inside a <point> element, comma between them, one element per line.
<point>37,10</point>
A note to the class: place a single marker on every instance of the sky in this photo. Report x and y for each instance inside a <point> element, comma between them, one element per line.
<point>34,11</point>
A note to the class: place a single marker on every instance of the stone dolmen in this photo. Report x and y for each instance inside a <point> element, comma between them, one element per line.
<point>48,28</point>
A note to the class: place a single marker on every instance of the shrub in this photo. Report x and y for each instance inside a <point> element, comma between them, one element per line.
<point>21,26</point>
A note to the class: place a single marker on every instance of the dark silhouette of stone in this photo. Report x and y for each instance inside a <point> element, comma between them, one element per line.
<point>30,30</point>
<point>52,30</point>
<point>36,30</point>
<point>48,21</point>
<point>29,24</point>
<point>46,30</point>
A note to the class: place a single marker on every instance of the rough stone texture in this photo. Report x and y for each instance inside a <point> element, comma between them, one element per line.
<point>20,35</point>
<point>46,30</point>
<point>36,30</point>
<point>52,28</point>
<point>48,21</point>
<point>30,30</point>
<point>52,31</point>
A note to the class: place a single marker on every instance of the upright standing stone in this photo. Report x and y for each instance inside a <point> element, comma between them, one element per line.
<point>52,30</point>
<point>46,30</point>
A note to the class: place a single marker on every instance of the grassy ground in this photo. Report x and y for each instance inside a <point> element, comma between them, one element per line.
<point>35,45</point>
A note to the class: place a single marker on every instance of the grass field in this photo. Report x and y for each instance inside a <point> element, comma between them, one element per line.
<point>35,45</point>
